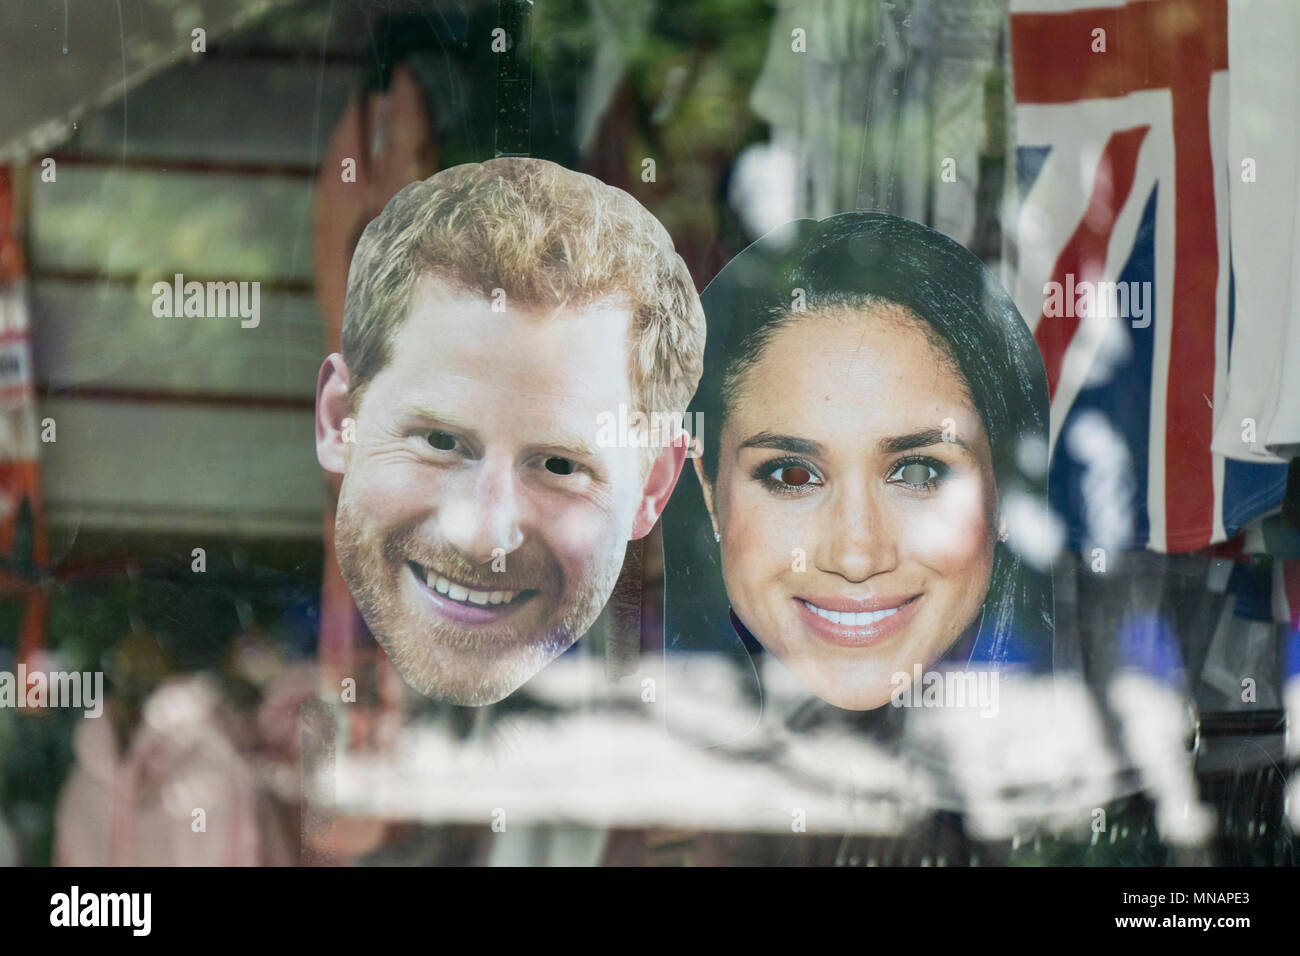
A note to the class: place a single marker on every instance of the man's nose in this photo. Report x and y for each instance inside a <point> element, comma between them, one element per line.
<point>857,538</point>
<point>483,512</point>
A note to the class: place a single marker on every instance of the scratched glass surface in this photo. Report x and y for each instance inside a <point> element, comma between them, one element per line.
<point>181,190</point>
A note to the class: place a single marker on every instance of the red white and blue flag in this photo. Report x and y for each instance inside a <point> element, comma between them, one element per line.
<point>1123,178</point>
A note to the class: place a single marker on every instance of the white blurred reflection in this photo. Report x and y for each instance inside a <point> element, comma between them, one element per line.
<point>1156,724</point>
<point>1042,763</point>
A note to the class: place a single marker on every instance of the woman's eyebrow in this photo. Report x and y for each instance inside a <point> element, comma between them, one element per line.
<point>800,446</point>
<point>921,439</point>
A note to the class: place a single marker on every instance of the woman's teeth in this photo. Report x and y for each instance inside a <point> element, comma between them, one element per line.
<point>850,618</point>
<point>458,593</point>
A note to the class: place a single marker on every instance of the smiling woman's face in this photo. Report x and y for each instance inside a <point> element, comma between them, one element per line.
<point>856,502</point>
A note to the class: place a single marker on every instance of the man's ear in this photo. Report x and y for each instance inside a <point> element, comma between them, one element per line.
<point>335,430</point>
<point>659,485</point>
<point>706,489</point>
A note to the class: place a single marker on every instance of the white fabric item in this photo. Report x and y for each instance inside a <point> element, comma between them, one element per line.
<point>1264,126</point>
<point>619,26</point>
<point>880,95</point>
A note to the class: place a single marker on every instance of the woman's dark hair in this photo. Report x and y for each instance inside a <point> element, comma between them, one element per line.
<point>853,261</point>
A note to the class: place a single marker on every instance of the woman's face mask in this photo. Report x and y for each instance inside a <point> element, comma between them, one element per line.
<point>856,503</point>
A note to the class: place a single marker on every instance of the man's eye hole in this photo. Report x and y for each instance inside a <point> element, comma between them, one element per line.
<point>916,473</point>
<point>560,466</point>
<point>442,441</point>
<point>794,476</point>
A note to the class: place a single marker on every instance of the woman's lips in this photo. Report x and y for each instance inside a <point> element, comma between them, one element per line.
<point>857,623</point>
<point>461,609</point>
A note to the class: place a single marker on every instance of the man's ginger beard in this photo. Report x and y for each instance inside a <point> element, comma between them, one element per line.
<point>469,666</point>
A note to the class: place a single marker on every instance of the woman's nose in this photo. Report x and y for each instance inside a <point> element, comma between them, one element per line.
<point>857,535</point>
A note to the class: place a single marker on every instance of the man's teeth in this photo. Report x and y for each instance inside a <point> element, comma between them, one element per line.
<point>851,619</point>
<point>458,593</point>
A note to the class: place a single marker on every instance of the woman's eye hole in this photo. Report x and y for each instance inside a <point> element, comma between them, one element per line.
<point>560,466</point>
<point>442,441</point>
<point>916,473</point>
<point>794,476</point>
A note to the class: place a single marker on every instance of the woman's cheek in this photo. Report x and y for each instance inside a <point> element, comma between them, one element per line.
<point>758,535</point>
<point>950,529</point>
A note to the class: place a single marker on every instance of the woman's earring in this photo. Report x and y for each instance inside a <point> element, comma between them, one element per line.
<point>1003,534</point>
<point>716,536</point>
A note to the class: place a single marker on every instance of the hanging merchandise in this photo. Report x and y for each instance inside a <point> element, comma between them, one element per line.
<point>1121,261</point>
<point>23,556</point>
<point>882,105</point>
<point>1260,421</point>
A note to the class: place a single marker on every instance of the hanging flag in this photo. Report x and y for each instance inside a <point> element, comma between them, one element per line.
<point>23,556</point>
<point>1119,260</point>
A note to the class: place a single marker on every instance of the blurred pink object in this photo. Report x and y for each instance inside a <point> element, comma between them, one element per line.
<point>142,807</point>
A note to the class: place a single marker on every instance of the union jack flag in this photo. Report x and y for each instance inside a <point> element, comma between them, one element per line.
<point>1122,177</point>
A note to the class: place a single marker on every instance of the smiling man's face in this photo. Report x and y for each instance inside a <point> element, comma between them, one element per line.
<point>480,526</point>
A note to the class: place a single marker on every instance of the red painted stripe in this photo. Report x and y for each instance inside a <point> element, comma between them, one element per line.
<point>1084,256</point>
<point>164,397</point>
<point>189,165</point>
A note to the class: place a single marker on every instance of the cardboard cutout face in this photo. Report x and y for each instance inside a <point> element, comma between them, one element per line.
<point>835,449</point>
<point>479,527</point>
<point>870,391</point>
<point>483,520</point>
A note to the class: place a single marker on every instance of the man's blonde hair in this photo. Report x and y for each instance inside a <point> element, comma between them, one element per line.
<point>547,236</point>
